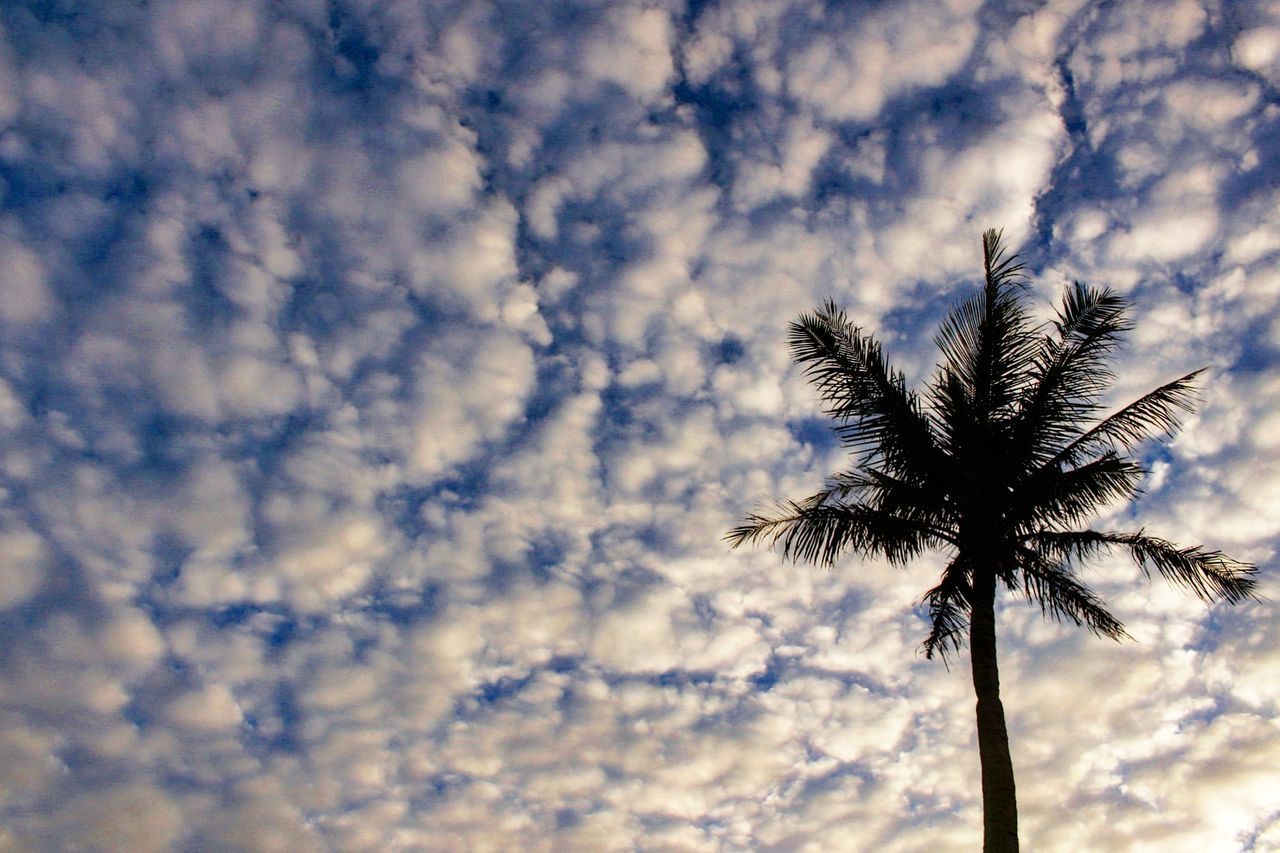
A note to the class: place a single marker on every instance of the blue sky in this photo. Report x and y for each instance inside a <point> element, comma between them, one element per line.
<point>377,381</point>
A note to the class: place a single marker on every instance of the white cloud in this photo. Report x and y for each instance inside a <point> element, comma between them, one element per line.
<point>211,709</point>
<point>133,816</point>
<point>1258,49</point>
<point>411,363</point>
<point>851,75</point>
<point>991,182</point>
<point>260,815</point>
<point>468,387</point>
<point>801,149</point>
<point>26,297</point>
<point>643,635</point>
<point>477,257</point>
<point>28,765</point>
<point>634,51</point>
<point>442,181</point>
<point>25,563</point>
<point>331,561</point>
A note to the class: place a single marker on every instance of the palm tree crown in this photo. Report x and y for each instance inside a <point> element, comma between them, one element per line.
<point>999,461</point>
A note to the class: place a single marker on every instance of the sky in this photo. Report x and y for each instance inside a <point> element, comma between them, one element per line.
<point>379,379</point>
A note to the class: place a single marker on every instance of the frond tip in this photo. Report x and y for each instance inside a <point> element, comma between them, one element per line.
<point>821,532</point>
<point>1064,598</point>
<point>949,607</point>
<point>1000,268</point>
<point>1210,575</point>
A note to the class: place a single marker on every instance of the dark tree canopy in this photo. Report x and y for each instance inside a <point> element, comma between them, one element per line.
<point>1000,461</point>
<point>1003,455</point>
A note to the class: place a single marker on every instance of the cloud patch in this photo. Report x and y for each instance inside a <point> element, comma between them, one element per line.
<point>376,385</point>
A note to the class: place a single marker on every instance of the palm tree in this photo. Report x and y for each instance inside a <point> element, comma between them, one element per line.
<point>999,462</point>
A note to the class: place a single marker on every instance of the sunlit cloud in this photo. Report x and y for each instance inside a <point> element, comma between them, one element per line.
<point>377,383</point>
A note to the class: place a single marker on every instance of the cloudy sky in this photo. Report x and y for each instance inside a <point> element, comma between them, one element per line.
<point>378,379</point>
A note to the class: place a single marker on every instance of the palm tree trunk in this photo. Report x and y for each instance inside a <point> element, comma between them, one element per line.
<point>999,800</point>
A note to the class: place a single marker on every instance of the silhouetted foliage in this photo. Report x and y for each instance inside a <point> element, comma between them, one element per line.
<point>998,461</point>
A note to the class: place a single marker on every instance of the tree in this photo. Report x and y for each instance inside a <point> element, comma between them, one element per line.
<point>998,462</point>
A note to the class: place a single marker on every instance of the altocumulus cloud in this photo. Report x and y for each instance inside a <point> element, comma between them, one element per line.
<point>377,379</point>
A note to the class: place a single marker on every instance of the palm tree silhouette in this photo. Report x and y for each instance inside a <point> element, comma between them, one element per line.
<point>999,462</point>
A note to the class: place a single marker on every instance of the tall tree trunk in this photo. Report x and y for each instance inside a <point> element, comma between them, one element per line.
<point>999,800</point>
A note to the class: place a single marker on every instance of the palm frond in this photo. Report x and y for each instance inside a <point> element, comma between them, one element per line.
<point>998,460</point>
<point>1054,498</point>
<point>960,339</point>
<point>815,531</point>
<point>950,603</point>
<point>1152,416</point>
<point>1063,597</point>
<point>1089,312</point>
<point>1070,371</point>
<point>1210,575</point>
<point>951,411</point>
<point>986,342</point>
<point>877,416</point>
<point>849,485</point>
<point>1000,269</point>
<point>916,500</point>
